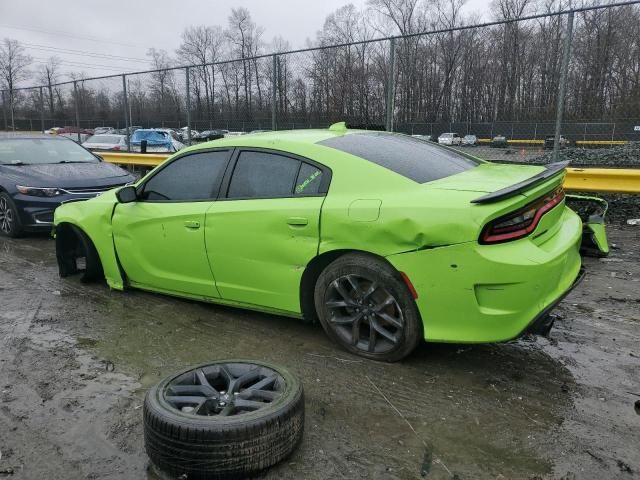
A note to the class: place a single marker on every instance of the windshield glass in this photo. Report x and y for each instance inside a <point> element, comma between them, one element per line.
<point>153,137</point>
<point>104,139</point>
<point>415,159</point>
<point>31,151</point>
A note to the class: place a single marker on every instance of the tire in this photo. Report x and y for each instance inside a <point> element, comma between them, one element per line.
<point>396,325</point>
<point>10,224</point>
<point>203,443</point>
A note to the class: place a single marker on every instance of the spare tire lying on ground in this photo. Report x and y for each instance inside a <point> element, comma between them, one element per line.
<point>225,419</point>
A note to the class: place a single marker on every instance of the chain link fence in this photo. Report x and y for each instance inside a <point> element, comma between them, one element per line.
<point>527,79</point>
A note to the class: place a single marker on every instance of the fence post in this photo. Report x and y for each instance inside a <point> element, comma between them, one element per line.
<point>41,110</point>
<point>188,106</point>
<point>563,83</point>
<point>13,123</point>
<point>274,92</point>
<point>4,109</point>
<point>76,101</point>
<point>125,105</point>
<point>390,85</point>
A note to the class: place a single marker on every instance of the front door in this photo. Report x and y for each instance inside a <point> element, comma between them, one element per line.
<point>159,239</point>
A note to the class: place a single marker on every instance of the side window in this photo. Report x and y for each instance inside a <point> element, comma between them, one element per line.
<point>309,180</point>
<point>263,175</point>
<point>193,177</point>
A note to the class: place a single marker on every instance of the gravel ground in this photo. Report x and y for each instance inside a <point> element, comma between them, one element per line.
<point>76,360</point>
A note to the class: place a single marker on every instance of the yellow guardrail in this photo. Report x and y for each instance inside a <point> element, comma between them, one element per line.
<point>134,159</point>
<point>621,180</point>
<point>601,142</point>
<point>541,142</point>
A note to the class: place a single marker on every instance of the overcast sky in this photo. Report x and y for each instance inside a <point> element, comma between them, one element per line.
<point>92,36</point>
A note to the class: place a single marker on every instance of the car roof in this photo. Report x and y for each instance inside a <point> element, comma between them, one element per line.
<point>266,139</point>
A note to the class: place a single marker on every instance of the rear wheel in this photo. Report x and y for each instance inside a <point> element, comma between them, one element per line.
<point>364,305</point>
<point>10,225</point>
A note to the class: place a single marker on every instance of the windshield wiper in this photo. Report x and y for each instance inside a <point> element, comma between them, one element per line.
<point>74,161</point>
<point>17,162</point>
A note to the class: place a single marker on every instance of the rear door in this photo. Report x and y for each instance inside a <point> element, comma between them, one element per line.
<point>265,230</point>
<point>159,239</point>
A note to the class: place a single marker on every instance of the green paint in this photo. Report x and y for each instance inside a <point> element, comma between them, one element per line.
<point>252,253</point>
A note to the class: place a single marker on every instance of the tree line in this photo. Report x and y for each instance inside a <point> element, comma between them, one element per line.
<point>508,72</point>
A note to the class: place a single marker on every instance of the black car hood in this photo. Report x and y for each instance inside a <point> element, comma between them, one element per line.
<point>65,175</point>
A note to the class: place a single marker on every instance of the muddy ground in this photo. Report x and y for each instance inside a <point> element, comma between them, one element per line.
<point>76,360</point>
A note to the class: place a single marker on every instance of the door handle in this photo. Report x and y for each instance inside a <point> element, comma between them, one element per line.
<point>192,224</point>
<point>297,221</point>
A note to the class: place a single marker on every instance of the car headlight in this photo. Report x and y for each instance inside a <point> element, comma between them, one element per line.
<point>40,191</point>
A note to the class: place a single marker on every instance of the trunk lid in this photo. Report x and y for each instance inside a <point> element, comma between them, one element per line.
<point>489,178</point>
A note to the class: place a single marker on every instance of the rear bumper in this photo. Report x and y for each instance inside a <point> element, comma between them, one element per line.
<point>473,293</point>
<point>543,322</point>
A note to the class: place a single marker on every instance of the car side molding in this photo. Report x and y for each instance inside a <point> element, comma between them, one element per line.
<point>551,170</point>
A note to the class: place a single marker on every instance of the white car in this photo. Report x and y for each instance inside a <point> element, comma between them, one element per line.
<point>104,143</point>
<point>449,139</point>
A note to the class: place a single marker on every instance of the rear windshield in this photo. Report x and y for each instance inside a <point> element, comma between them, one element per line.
<point>415,159</point>
<point>36,151</point>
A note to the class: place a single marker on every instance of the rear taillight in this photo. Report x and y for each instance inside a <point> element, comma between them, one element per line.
<point>116,147</point>
<point>522,222</point>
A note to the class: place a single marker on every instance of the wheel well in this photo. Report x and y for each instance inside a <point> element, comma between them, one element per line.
<point>311,274</point>
<point>73,243</point>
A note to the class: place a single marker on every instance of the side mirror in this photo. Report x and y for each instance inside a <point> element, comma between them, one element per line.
<point>127,194</point>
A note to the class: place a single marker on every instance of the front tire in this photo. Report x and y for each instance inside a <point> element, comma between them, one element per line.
<point>364,305</point>
<point>10,225</point>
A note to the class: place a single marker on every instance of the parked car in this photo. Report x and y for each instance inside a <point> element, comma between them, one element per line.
<point>417,241</point>
<point>103,130</point>
<point>111,142</point>
<point>158,140</point>
<point>73,133</point>
<point>426,138</point>
<point>38,173</point>
<point>53,130</point>
<point>207,135</point>
<point>549,141</point>
<point>499,141</point>
<point>469,141</point>
<point>131,130</point>
<point>449,139</point>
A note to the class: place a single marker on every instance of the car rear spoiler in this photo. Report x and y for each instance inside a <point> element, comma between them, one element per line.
<point>551,170</point>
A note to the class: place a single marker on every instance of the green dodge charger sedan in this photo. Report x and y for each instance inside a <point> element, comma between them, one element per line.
<point>385,239</point>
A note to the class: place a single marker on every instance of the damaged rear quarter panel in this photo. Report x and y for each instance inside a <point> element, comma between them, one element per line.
<point>93,217</point>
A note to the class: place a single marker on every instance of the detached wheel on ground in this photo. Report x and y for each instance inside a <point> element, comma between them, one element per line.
<point>226,419</point>
<point>364,305</point>
<point>10,225</point>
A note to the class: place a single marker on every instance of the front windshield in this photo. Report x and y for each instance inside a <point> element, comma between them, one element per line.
<point>36,151</point>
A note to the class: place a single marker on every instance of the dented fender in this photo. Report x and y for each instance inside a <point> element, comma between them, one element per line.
<point>93,217</point>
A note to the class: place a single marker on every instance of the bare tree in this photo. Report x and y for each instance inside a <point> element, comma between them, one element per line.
<point>49,76</point>
<point>14,64</point>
